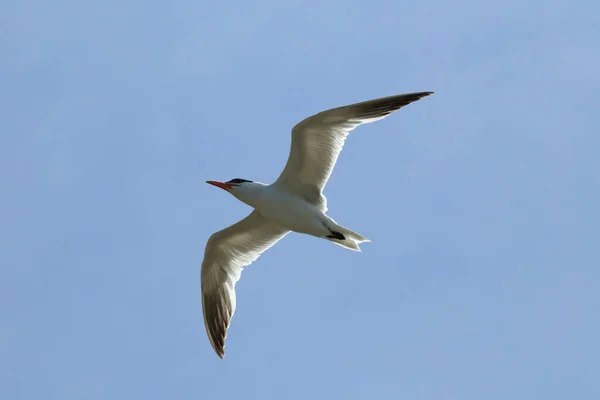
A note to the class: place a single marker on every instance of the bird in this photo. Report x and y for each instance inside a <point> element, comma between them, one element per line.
<point>293,203</point>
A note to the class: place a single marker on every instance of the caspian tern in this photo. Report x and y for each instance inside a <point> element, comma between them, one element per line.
<point>293,203</point>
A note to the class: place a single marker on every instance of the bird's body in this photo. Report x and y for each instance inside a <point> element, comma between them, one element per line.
<point>291,211</point>
<point>293,203</point>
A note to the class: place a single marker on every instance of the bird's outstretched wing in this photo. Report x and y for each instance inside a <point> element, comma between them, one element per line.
<point>318,140</point>
<point>227,253</point>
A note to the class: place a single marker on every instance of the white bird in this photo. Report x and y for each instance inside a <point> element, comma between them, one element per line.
<point>294,202</point>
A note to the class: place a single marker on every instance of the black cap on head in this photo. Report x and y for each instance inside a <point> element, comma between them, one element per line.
<point>238,180</point>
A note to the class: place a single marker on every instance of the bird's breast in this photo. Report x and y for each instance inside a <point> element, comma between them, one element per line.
<point>293,213</point>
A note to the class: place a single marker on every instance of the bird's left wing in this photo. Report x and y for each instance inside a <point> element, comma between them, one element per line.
<point>227,253</point>
<point>318,140</point>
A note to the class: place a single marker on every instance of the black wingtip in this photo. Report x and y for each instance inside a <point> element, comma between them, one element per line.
<point>220,349</point>
<point>386,105</point>
<point>420,95</point>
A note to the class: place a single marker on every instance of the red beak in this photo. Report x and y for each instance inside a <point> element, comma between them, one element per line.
<point>222,185</point>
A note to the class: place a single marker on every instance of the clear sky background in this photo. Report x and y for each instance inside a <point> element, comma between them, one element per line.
<point>483,277</point>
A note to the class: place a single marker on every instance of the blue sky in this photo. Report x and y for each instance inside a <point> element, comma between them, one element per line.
<point>482,280</point>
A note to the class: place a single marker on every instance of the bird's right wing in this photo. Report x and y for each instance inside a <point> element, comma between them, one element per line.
<point>318,140</point>
<point>227,253</point>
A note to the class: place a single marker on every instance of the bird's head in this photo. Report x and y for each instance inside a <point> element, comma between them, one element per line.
<point>243,189</point>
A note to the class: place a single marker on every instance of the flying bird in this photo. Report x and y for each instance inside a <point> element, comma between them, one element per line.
<point>293,203</point>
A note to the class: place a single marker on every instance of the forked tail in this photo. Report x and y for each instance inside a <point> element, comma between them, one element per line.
<point>345,237</point>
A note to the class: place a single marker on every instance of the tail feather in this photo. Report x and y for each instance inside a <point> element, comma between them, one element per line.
<point>351,239</point>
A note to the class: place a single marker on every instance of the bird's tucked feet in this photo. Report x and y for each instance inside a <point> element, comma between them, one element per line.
<point>336,235</point>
